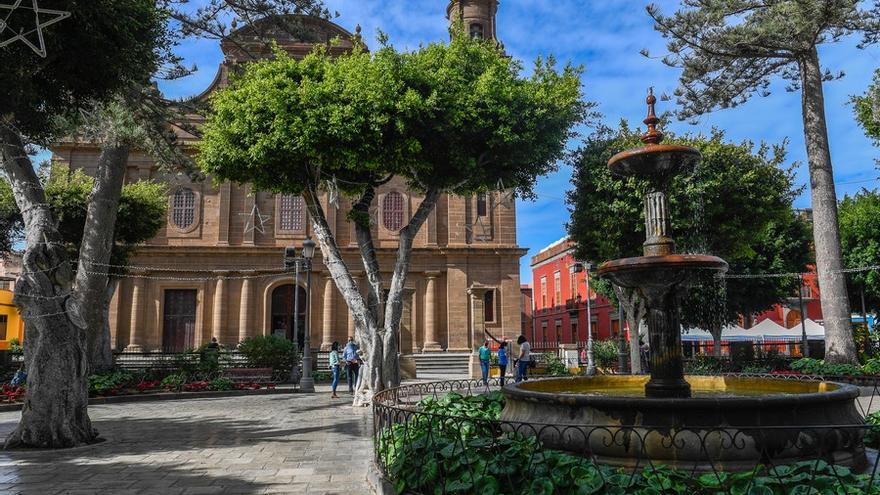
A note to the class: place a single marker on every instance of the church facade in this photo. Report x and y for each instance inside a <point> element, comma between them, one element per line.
<point>200,277</point>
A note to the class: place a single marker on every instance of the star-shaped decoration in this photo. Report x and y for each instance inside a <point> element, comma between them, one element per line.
<point>49,17</point>
<point>255,218</point>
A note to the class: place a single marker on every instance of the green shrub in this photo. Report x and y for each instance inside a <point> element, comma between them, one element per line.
<point>174,380</point>
<point>871,367</point>
<point>872,437</point>
<point>435,453</point>
<point>555,366</point>
<point>756,369</point>
<point>323,376</point>
<point>109,383</point>
<point>808,366</point>
<point>221,384</point>
<point>15,346</point>
<point>605,353</point>
<point>269,351</point>
<point>841,370</point>
<point>705,364</point>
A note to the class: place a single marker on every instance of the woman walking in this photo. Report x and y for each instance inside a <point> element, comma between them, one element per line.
<point>485,357</point>
<point>334,368</point>
<point>525,355</point>
<point>502,361</point>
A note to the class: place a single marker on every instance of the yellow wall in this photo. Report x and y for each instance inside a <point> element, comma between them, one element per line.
<point>14,323</point>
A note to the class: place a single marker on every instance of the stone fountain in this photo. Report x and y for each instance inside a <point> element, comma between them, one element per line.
<point>700,423</point>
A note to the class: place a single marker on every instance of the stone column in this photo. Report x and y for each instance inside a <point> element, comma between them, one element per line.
<point>136,338</point>
<point>432,342</point>
<point>245,315</point>
<point>478,327</point>
<point>219,309</point>
<point>329,313</point>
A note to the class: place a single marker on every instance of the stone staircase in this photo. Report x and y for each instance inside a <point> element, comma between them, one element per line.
<point>442,365</point>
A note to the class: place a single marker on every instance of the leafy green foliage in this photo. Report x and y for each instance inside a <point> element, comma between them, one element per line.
<point>872,437</point>
<point>451,447</point>
<point>109,383</point>
<point>142,211</point>
<point>605,353</point>
<point>859,219</point>
<point>736,205</point>
<point>174,381</point>
<point>455,117</point>
<point>269,351</point>
<point>555,366</point>
<point>220,384</point>
<point>865,108</point>
<point>810,366</point>
<point>105,45</point>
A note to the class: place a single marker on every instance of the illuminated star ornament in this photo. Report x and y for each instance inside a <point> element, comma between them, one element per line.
<point>42,19</point>
<point>256,221</point>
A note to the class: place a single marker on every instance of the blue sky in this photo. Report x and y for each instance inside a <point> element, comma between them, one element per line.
<point>606,37</point>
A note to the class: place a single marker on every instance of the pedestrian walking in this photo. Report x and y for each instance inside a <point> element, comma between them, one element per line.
<point>502,361</point>
<point>352,363</point>
<point>334,368</point>
<point>485,357</point>
<point>525,355</point>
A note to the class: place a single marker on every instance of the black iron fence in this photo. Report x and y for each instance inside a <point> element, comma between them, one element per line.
<point>424,449</point>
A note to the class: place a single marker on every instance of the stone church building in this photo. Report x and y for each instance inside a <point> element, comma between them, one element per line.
<point>194,279</point>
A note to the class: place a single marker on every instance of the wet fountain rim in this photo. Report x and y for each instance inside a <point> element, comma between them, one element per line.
<point>672,261</point>
<point>642,161</point>
<point>842,391</point>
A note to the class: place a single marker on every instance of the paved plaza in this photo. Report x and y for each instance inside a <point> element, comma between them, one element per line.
<point>282,443</point>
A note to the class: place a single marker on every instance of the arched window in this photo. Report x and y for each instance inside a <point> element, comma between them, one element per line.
<point>392,211</point>
<point>293,212</point>
<point>183,208</point>
<point>476,30</point>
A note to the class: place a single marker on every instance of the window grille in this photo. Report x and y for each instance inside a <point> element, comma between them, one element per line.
<point>183,208</point>
<point>392,211</point>
<point>293,215</point>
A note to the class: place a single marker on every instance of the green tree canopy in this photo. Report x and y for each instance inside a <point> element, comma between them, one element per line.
<point>736,205</point>
<point>142,211</point>
<point>103,46</point>
<point>867,109</point>
<point>457,118</point>
<point>860,240</point>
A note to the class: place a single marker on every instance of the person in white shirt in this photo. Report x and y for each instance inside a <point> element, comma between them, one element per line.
<point>522,364</point>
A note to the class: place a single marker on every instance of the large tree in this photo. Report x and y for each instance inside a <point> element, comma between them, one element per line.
<point>860,238</point>
<point>731,49</point>
<point>736,205</point>
<point>454,118</point>
<point>141,213</point>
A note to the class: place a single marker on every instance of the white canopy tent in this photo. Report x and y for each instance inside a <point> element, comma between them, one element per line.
<point>763,331</point>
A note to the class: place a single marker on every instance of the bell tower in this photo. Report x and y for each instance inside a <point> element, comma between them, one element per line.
<point>478,17</point>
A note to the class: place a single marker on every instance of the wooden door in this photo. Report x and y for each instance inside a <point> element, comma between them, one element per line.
<point>179,320</point>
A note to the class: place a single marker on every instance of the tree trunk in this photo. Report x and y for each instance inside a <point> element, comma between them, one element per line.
<point>634,308</point>
<point>716,342</point>
<point>93,286</point>
<point>839,345</point>
<point>55,410</point>
<point>100,350</point>
<point>394,304</point>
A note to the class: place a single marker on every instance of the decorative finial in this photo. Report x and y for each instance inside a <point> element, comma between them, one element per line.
<point>357,31</point>
<point>652,136</point>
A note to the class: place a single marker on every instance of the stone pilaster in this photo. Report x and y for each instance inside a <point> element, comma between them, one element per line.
<point>245,316</point>
<point>478,326</point>
<point>137,325</point>
<point>329,313</point>
<point>219,310</point>
<point>432,341</point>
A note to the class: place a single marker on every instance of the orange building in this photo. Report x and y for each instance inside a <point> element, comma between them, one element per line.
<point>11,323</point>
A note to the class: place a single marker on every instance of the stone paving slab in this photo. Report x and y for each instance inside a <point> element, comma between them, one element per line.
<point>283,443</point>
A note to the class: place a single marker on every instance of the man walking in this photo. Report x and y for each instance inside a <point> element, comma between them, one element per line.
<point>352,363</point>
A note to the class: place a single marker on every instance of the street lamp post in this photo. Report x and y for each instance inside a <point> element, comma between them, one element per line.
<point>291,260</point>
<point>591,364</point>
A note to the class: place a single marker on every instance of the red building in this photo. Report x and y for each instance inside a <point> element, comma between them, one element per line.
<point>560,314</point>
<point>788,314</point>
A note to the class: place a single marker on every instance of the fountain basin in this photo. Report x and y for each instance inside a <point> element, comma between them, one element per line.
<point>735,422</point>
<point>660,271</point>
<point>654,161</point>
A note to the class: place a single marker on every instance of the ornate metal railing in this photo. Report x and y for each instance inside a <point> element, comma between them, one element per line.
<point>440,452</point>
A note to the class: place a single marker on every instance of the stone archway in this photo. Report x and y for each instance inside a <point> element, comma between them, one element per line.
<point>281,313</point>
